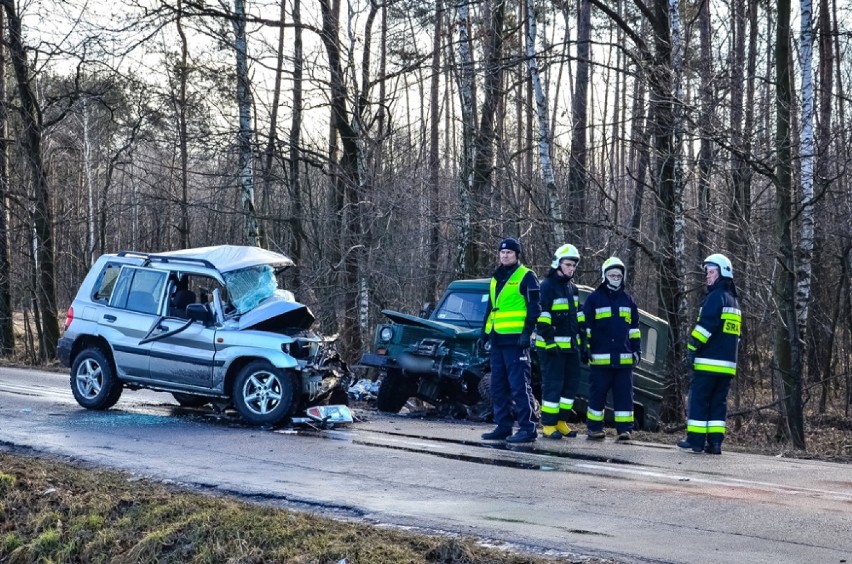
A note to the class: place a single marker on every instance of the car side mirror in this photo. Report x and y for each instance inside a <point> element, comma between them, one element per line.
<point>426,310</point>
<point>199,312</point>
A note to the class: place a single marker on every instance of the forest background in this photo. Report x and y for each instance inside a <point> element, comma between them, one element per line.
<point>388,147</point>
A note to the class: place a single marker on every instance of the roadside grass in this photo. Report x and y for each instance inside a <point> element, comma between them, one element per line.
<point>53,511</point>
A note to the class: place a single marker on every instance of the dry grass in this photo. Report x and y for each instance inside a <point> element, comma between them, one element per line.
<point>56,512</point>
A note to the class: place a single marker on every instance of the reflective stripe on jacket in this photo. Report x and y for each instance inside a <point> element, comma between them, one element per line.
<point>561,321</point>
<point>715,339</point>
<point>612,327</point>
<point>509,308</point>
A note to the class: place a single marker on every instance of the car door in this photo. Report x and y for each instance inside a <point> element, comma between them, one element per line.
<point>134,307</point>
<point>185,357</point>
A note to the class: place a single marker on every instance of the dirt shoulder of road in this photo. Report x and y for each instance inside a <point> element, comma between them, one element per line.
<point>54,511</point>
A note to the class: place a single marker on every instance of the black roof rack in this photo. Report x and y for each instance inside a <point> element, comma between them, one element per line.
<point>164,259</point>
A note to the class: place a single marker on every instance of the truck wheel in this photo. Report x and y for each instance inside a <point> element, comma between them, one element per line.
<point>263,394</point>
<point>394,391</point>
<point>485,406</point>
<point>93,380</point>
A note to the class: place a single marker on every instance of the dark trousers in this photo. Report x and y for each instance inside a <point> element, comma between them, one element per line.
<point>602,379</point>
<point>560,376</point>
<point>511,393</point>
<point>708,408</point>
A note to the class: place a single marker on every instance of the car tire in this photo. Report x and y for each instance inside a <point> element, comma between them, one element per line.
<point>93,380</point>
<point>263,394</point>
<point>394,391</point>
<point>190,400</point>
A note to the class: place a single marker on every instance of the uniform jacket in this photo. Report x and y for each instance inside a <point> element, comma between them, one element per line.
<point>715,339</point>
<point>529,288</point>
<point>561,325</point>
<point>612,327</point>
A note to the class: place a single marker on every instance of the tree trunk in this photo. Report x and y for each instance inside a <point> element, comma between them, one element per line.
<point>43,215</point>
<point>183,136</point>
<point>466,99</point>
<point>7,329</point>
<point>578,173</point>
<point>705,126</point>
<point>806,215</point>
<point>821,336</point>
<point>554,210</point>
<point>476,261</point>
<point>788,362</point>
<point>348,183</point>
<point>295,139</point>
<point>245,134</point>
<point>272,137</point>
<point>434,156</point>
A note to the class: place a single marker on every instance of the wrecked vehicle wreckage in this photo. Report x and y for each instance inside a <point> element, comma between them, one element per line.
<point>209,325</point>
<point>439,358</point>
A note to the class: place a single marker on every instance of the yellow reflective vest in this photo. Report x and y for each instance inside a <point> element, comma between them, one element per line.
<point>509,309</point>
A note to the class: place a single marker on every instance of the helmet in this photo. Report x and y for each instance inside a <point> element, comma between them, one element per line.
<point>566,251</point>
<point>609,264</point>
<point>721,261</point>
<point>510,244</point>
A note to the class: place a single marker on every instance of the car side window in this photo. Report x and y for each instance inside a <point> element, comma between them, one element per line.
<point>649,343</point>
<point>139,289</point>
<point>106,283</point>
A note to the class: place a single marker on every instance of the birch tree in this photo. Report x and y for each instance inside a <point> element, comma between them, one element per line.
<point>806,216</point>
<point>245,133</point>
<point>465,78</point>
<point>554,210</point>
<point>7,329</point>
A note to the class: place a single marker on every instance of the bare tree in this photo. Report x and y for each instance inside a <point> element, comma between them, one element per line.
<point>45,287</point>
<point>7,330</point>
<point>554,210</point>
<point>245,133</point>
<point>787,360</point>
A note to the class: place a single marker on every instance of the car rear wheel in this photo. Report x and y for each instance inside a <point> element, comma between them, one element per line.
<point>93,380</point>
<point>263,394</point>
<point>394,391</point>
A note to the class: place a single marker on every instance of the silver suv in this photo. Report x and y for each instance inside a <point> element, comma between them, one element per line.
<point>208,325</point>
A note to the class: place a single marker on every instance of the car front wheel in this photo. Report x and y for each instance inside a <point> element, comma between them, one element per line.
<point>263,394</point>
<point>93,380</point>
<point>394,391</point>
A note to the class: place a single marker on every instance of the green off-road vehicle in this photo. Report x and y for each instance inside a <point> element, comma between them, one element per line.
<point>438,357</point>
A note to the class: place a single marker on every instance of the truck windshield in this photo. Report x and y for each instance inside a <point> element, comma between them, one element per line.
<point>462,308</point>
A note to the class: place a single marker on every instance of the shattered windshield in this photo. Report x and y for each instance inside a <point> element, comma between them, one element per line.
<point>250,286</point>
<point>462,308</point>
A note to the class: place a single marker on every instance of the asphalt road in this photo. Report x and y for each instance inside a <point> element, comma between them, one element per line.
<point>629,502</point>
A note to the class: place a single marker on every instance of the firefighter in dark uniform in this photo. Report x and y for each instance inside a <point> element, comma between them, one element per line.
<point>712,350</point>
<point>614,348</point>
<point>510,317</point>
<point>560,334</point>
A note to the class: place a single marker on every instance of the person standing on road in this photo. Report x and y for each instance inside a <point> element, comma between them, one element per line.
<point>510,317</point>
<point>559,338</point>
<point>612,333</point>
<point>712,353</point>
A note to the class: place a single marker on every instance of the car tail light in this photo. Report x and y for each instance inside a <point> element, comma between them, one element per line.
<point>69,318</point>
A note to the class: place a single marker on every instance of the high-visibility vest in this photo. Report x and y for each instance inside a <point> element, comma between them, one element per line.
<point>509,309</point>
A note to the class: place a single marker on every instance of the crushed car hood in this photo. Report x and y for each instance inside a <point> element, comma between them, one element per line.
<point>276,314</point>
<point>446,329</point>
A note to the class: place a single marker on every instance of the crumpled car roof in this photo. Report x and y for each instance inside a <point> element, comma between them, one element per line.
<point>227,258</point>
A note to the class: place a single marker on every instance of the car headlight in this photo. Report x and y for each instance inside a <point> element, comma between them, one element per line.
<point>386,334</point>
